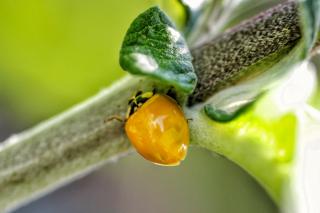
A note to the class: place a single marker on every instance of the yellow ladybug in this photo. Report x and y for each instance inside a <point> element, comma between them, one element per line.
<point>157,128</point>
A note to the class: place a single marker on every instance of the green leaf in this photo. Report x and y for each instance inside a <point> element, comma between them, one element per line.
<point>154,48</point>
<point>229,105</point>
<point>310,20</point>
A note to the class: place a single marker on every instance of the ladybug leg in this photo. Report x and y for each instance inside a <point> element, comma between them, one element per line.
<point>114,117</point>
<point>189,119</point>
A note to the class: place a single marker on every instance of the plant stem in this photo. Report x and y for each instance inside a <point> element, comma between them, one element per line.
<point>79,140</point>
<point>253,151</point>
<point>65,147</point>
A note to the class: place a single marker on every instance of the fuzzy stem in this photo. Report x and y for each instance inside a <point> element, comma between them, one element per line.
<point>67,146</point>
<point>73,143</point>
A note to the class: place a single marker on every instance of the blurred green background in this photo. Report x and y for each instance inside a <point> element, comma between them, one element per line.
<point>56,53</point>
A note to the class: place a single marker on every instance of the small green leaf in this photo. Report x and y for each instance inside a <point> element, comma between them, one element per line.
<point>310,20</point>
<point>153,47</point>
<point>228,105</point>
